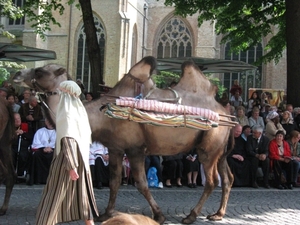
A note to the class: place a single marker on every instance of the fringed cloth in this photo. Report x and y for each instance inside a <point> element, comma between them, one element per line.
<point>162,114</point>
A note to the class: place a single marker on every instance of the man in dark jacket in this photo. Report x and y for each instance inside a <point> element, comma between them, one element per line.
<point>257,152</point>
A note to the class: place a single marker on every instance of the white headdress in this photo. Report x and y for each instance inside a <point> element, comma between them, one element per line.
<point>72,120</point>
<point>272,115</point>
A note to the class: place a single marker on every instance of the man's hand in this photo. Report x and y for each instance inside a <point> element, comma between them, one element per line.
<point>262,157</point>
<point>238,157</point>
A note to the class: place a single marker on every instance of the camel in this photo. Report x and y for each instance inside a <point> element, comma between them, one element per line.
<point>137,140</point>
<point>7,171</point>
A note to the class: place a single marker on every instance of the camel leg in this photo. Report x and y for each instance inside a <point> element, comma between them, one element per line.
<point>137,165</point>
<point>210,184</point>
<point>9,184</point>
<point>227,181</point>
<point>115,170</point>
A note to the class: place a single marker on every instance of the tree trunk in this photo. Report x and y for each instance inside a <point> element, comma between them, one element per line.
<point>92,45</point>
<point>293,51</point>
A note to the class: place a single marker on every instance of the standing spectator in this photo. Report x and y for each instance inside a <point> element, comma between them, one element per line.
<point>236,100</point>
<point>173,168</point>
<point>68,194</point>
<point>273,125</point>
<point>254,101</point>
<point>236,87</point>
<point>11,100</point>
<point>154,161</point>
<point>257,147</point>
<point>293,142</point>
<point>255,119</point>
<point>20,145</point>
<point>237,161</point>
<point>99,161</point>
<point>3,93</point>
<point>42,153</point>
<point>288,123</point>
<point>191,165</point>
<point>280,154</point>
<point>31,113</point>
<point>88,97</point>
<point>125,170</point>
<point>25,97</point>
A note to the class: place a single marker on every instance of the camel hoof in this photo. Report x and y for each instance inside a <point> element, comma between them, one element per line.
<point>214,217</point>
<point>189,219</point>
<point>159,218</point>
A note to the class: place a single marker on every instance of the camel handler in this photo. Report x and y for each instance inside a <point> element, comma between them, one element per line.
<point>68,194</point>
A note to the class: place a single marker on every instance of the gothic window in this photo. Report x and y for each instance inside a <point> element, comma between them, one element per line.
<point>83,65</point>
<point>17,23</point>
<point>247,79</point>
<point>174,40</point>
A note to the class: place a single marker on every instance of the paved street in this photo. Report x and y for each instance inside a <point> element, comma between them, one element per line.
<point>245,206</point>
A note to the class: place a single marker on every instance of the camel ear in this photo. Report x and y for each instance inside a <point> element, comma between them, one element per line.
<point>60,71</point>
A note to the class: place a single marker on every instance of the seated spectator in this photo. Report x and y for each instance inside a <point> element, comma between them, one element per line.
<point>191,165</point>
<point>297,117</point>
<point>255,119</point>
<point>288,123</point>
<point>42,147</point>
<point>236,100</point>
<point>237,161</point>
<point>173,168</point>
<point>241,117</point>
<point>20,145</point>
<point>257,147</point>
<point>31,113</point>
<point>290,108</point>
<point>280,154</point>
<point>11,100</point>
<point>154,161</point>
<point>125,170</point>
<point>224,99</point>
<point>266,112</point>
<point>99,160</point>
<point>246,131</point>
<point>293,142</point>
<point>273,125</point>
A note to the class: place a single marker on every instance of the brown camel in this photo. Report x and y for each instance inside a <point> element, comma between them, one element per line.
<point>124,136</point>
<point>7,171</point>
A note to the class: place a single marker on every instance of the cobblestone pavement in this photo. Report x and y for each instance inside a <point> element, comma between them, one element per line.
<point>245,205</point>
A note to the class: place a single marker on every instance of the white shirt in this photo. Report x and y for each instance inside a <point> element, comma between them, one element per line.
<point>96,150</point>
<point>44,138</point>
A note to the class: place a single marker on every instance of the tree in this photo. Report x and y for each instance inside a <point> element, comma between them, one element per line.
<point>42,22</point>
<point>245,23</point>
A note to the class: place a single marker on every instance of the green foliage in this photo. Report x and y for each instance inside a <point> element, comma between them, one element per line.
<point>243,23</point>
<point>3,75</point>
<point>9,9</point>
<point>164,80</point>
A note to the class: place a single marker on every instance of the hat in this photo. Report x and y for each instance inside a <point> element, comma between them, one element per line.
<point>272,115</point>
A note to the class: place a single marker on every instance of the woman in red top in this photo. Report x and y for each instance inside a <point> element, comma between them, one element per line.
<point>280,154</point>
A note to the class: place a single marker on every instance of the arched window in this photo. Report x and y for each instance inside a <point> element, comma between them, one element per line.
<point>174,40</point>
<point>83,65</point>
<point>247,79</point>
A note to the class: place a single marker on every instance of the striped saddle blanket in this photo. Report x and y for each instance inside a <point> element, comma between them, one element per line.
<point>162,114</point>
